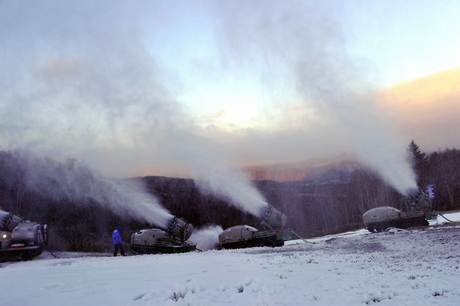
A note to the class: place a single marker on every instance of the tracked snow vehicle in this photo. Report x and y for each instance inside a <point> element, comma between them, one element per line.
<point>20,239</point>
<point>419,210</point>
<point>244,236</point>
<point>169,240</point>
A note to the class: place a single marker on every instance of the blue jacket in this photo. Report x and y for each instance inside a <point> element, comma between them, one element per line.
<point>116,238</point>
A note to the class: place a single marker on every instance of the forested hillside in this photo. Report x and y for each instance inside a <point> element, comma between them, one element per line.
<point>313,207</point>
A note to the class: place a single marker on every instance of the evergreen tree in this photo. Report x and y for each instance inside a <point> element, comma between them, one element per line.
<point>419,163</point>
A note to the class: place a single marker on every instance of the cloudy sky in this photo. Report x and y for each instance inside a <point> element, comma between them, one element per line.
<point>165,87</point>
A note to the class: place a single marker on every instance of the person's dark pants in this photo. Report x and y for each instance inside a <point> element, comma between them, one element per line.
<point>119,246</point>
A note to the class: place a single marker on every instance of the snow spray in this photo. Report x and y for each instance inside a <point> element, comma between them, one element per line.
<point>305,44</point>
<point>207,238</point>
<point>75,182</point>
<point>375,144</point>
<point>231,184</point>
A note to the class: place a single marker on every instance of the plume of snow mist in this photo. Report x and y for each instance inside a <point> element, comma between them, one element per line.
<point>230,184</point>
<point>207,238</point>
<point>391,161</point>
<point>377,146</point>
<point>208,162</point>
<point>303,41</point>
<point>75,182</point>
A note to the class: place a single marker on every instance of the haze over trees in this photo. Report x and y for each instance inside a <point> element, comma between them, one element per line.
<point>313,207</point>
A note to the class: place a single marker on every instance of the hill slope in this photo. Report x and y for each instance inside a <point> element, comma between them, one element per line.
<point>303,171</point>
<point>416,267</point>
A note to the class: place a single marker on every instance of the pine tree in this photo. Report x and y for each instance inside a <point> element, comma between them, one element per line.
<point>419,163</point>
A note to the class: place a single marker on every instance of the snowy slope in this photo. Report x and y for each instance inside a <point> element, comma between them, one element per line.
<point>399,267</point>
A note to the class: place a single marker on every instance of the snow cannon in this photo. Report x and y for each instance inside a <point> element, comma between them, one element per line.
<point>20,239</point>
<point>418,201</point>
<point>169,240</point>
<point>245,236</point>
<point>273,218</point>
<point>179,229</point>
<point>157,241</point>
<point>418,207</point>
<point>380,218</point>
<point>9,221</point>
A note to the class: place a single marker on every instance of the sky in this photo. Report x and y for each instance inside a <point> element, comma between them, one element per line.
<point>170,88</point>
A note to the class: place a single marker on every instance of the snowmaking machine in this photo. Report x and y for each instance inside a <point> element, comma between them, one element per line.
<point>169,240</point>
<point>20,239</point>
<point>245,236</point>
<point>418,206</point>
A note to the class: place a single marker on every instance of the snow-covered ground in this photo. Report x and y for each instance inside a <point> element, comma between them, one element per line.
<point>399,267</point>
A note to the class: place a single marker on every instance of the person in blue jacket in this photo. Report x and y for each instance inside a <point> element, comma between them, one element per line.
<point>116,239</point>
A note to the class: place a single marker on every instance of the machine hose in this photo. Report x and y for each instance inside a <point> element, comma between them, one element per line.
<point>193,247</point>
<point>52,254</point>
<point>446,218</point>
<point>301,237</point>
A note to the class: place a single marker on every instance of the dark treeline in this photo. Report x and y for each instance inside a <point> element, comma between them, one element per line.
<point>313,207</point>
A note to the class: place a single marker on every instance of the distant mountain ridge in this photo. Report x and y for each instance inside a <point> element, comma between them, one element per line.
<point>304,171</point>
